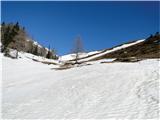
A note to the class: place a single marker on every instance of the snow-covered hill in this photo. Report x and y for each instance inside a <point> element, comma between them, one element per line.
<point>84,57</point>
<point>102,53</point>
<point>143,48</point>
<point>33,90</point>
<point>81,56</point>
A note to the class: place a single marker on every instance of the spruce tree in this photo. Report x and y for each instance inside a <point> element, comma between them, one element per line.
<point>3,24</point>
<point>35,52</point>
<point>49,54</point>
<point>17,26</point>
<point>8,33</point>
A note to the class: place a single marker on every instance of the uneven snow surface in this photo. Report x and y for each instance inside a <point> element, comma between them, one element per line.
<point>110,90</point>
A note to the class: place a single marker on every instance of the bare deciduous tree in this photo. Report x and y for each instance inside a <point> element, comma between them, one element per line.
<point>78,48</point>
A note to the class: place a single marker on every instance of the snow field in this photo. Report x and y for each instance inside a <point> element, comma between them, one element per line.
<point>32,90</point>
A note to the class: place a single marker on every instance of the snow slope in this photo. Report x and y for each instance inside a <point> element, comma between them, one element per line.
<point>115,90</point>
<point>84,57</point>
<point>73,56</point>
<point>24,55</point>
<point>112,50</point>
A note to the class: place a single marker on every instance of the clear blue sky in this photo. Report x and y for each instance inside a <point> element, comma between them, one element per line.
<point>100,24</point>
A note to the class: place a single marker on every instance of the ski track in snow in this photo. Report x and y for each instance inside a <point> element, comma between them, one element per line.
<point>115,90</point>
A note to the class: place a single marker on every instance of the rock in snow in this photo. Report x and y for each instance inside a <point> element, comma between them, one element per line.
<point>113,90</point>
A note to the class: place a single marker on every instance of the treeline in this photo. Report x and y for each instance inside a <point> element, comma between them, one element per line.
<point>14,36</point>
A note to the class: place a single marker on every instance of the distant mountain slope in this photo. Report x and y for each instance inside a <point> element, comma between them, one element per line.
<point>102,54</point>
<point>21,41</point>
<point>149,48</point>
<point>145,48</point>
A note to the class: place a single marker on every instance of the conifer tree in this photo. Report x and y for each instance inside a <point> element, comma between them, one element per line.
<point>35,52</point>
<point>49,53</point>
<point>8,33</point>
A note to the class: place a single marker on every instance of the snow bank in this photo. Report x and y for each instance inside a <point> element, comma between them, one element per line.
<point>93,52</point>
<point>13,53</point>
<point>32,90</point>
<point>81,55</point>
<point>67,57</point>
<point>29,56</point>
